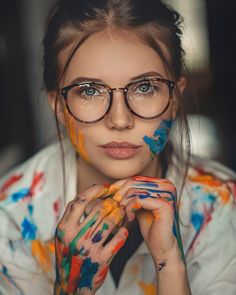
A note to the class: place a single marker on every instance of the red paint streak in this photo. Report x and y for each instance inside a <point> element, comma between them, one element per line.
<point>102,275</point>
<point>88,233</point>
<point>37,180</point>
<point>57,207</point>
<point>207,218</point>
<point>144,178</point>
<point>118,246</point>
<point>76,263</point>
<point>12,180</point>
<point>66,251</point>
<point>59,247</point>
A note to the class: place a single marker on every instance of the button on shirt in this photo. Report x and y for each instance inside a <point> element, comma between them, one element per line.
<point>32,202</point>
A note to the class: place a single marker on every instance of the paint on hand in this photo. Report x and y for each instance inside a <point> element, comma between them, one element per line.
<point>159,139</point>
<point>87,273</point>
<point>98,236</point>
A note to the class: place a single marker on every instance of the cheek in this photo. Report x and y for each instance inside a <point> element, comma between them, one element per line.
<point>76,136</point>
<point>158,140</point>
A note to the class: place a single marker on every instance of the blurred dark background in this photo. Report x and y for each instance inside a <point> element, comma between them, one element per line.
<point>27,124</point>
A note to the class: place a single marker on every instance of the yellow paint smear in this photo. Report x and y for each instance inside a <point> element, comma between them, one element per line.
<point>148,289</point>
<point>116,215</point>
<point>118,197</point>
<point>109,205</point>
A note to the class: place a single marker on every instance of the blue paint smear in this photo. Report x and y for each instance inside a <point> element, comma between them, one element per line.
<point>20,195</point>
<point>88,270</point>
<point>197,220</point>
<point>147,184</point>
<point>31,209</point>
<point>174,230</point>
<point>161,135</point>
<point>28,230</point>
<point>97,238</point>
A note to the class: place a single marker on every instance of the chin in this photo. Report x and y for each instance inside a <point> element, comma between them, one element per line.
<point>119,171</point>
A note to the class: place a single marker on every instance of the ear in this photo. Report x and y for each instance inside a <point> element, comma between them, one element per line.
<point>52,98</point>
<point>181,85</point>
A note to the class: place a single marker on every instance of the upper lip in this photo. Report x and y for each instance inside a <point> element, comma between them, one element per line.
<point>124,144</point>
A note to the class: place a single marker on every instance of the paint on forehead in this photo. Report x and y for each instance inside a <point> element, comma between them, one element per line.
<point>158,140</point>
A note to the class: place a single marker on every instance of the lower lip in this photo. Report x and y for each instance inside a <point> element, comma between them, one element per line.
<point>121,153</point>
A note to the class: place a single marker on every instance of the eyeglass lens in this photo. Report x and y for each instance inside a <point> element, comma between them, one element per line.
<point>90,101</point>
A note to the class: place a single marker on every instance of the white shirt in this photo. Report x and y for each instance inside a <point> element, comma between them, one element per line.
<point>31,204</point>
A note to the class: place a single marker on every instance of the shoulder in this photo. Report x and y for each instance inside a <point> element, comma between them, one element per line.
<point>30,174</point>
<point>208,207</point>
<point>209,216</point>
<point>211,181</point>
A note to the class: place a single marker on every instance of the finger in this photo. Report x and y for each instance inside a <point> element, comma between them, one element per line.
<point>131,208</point>
<point>142,183</point>
<point>111,190</point>
<point>87,227</point>
<point>107,225</point>
<point>115,244</point>
<point>77,208</point>
<point>94,218</point>
<point>166,191</point>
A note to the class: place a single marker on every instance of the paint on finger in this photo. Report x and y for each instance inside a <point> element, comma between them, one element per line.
<point>98,236</point>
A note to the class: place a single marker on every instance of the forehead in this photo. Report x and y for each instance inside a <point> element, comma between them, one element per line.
<point>113,58</point>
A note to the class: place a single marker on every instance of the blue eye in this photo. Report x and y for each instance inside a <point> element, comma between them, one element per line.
<point>89,91</point>
<point>145,87</point>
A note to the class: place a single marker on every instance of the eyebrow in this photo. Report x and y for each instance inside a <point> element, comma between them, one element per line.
<point>144,75</point>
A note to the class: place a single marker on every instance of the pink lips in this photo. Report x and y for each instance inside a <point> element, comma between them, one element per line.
<point>120,150</point>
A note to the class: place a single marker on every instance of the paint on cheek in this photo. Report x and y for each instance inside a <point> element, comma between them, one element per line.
<point>157,142</point>
<point>76,135</point>
<point>82,150</point>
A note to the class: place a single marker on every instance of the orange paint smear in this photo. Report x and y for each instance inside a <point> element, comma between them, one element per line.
<point>118,246</point>
<point>156,215</point>
<point>102,275</point>
<point>214,183</point>
<point>116,215</point>
<point>148,289</point>
<point>81,146</point>
<point>40,252</point>
<point>147,217</point>
<point>109,205</point>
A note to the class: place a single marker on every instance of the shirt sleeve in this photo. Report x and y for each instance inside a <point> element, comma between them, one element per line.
<point>211,251</point>
<point>225,282</point>
<point>19,271</point>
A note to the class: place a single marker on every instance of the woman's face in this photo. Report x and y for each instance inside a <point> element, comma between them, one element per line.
<point>116,61</point>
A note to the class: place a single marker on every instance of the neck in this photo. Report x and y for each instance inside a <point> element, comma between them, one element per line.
<point>88,175</point>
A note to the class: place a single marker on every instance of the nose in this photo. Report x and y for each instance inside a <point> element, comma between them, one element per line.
<point>119,117</point>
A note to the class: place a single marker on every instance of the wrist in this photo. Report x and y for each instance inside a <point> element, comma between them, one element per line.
<point>58,289</point>
<point>170,260</point>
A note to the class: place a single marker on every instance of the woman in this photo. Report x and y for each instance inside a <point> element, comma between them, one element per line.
<point>113,74</point>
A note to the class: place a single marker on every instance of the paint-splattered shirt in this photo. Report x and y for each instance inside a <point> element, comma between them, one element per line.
<point>31,204</point>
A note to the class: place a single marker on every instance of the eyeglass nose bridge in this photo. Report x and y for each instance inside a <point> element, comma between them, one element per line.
<point>124,91</point>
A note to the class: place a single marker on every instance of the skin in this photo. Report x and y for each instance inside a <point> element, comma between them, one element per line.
<point>79,250</point>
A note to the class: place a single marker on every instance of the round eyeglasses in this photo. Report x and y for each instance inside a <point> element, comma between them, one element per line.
<point>89,102</point>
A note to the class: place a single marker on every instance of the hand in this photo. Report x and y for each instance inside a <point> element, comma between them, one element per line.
<point>154,202</point>
<point>82,261</point>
